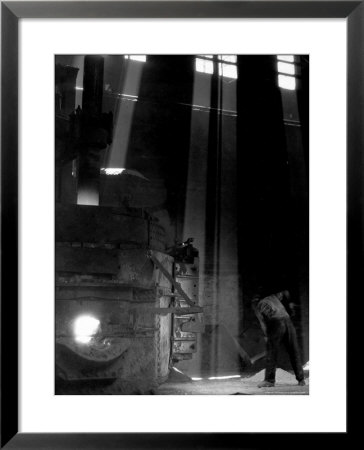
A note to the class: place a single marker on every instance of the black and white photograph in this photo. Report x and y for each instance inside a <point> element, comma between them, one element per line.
<point>181,224</point>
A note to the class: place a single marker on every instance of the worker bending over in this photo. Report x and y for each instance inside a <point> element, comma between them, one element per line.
<point>278,328</point>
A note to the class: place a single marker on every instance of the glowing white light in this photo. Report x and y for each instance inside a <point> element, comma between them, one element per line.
<point>288,58</point>
<point>112,171</point>
<point>225,70</point>
<point>228,70</point>
<point>83,339</point>
<point>141,58</point>
<point>228,58</point>
<point>287,82</point>
<point>84,328</point>
<point>129,96</point>
<point>205,66</point>
<point>287,68</point>
<point>225,377</point>
<point>79,88</point>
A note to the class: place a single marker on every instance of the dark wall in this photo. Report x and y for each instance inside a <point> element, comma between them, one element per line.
<point>263,181</point>
<point>272,191</point>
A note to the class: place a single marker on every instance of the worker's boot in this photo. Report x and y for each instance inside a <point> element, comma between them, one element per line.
<point>302,383</point>
<point>266,383</point>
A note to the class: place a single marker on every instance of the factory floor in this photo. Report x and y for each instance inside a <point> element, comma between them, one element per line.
<point>179,384</point>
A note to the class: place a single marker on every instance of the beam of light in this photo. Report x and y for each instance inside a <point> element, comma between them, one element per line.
<point>225,296</point>
<point>194,224</point>
<point>221,219</point>
<point>78,61</point>
<point>123,114</point>
<point>227,238</point>
<point>195,199</point>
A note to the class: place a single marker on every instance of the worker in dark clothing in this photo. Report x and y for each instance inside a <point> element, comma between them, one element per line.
<point>278,328</point>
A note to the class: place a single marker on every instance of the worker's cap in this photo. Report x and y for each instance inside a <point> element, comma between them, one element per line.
<point>256,298</point>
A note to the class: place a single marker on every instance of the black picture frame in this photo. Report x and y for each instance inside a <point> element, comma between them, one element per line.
<point>11,13</point>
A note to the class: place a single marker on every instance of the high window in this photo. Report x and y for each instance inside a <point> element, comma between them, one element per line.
<point>226,65</point>
<point>286,69</point>
<point>141,58</point>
